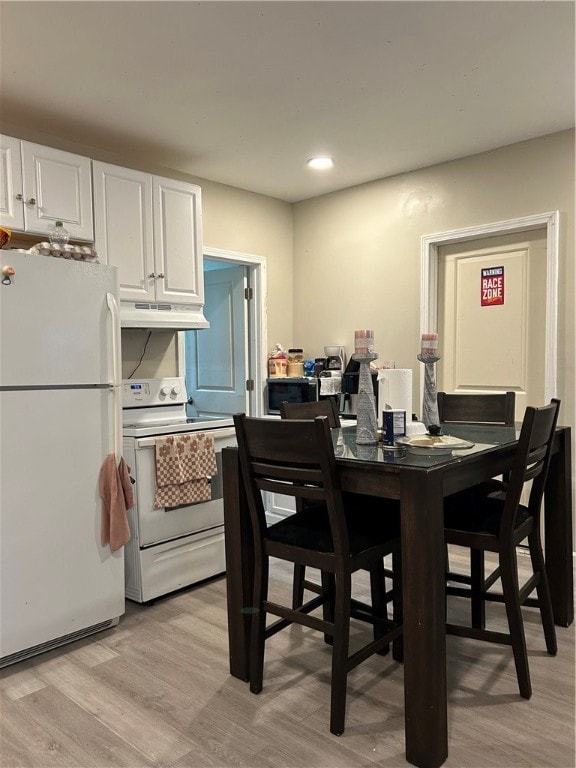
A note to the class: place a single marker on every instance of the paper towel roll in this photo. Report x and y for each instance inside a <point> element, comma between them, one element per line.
<point>395,391</point>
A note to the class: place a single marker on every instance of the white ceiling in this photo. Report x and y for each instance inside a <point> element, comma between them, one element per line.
<point>244,93</point>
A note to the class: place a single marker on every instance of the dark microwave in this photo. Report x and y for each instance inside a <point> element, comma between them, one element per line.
<point>291,390</point>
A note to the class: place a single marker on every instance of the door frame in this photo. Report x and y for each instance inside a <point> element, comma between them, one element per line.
<point>257,322</point>
<point>429,256</point>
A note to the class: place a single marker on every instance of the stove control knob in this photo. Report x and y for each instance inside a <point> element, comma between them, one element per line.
<point>176,390</point>
<point>165,391</point>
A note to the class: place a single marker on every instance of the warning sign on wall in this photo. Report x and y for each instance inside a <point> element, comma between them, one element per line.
<point>492,286</point>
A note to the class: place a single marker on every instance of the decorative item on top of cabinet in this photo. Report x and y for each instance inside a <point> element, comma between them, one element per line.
<point>39,185</point>
<point>5,236</point>
<point>151,229</point>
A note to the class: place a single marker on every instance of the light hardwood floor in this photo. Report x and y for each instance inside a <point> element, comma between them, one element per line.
<point>155,691</point>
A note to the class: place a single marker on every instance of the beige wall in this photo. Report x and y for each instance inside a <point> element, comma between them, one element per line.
<point>236,220</point>
<point>357,252</point>
<point>149,358</point>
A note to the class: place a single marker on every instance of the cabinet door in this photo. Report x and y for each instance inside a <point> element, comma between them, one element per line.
<point>178,242</point>
<point>57,185</point>
<point>11,209</point>
<point>123,227</point>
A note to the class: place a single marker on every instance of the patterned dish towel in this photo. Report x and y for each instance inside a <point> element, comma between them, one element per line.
<point>184,466</point>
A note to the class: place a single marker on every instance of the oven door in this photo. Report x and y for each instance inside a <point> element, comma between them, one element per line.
<point>157,525</point>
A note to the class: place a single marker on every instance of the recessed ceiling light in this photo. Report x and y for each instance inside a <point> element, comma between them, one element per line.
<point>320,163</point>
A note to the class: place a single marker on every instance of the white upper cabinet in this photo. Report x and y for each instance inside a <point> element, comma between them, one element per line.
<point>40,185</point>
<point>11,197</point>
<point>151,229</point>
<point>148,226</point>
<point>178,241</point>
<point>123,227</point>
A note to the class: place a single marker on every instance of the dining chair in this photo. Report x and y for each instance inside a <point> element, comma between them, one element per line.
<point>308,410</point>
<point>493,524</point>
<point>482,408</point>
<point>311,410</point>
<point>326,407</point>
<point>296,458</point>
<point>485,408</point>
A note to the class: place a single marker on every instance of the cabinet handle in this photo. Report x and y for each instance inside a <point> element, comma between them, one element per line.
<point>152,274</point>
<point>161,274</point>
<point>32,201</point>
<point>19,197</point>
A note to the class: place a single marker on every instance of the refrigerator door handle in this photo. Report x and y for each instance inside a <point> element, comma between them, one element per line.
<point>115,317</point>
<point>115,383</point>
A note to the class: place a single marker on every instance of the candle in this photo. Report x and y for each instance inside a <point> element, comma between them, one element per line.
<point>363,342</point>
<point>429,344</point>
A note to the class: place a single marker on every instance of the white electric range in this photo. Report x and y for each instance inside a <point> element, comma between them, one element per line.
<point>170,547</point>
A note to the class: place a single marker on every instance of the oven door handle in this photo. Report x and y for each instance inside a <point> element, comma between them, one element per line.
<point>219,433</point>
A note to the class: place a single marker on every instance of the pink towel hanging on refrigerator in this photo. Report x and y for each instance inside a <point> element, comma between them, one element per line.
<point>117,498</point>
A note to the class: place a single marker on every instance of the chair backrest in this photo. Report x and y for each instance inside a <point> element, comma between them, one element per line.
<point>311,410</point>
<point>293,458</point>
<point>493,408</point>
<point>531,462</point>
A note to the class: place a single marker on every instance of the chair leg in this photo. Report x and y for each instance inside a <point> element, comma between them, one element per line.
<point>298,585</point>
<point>543,592</point>
<point>258,628</point>
<point>398,644</point>
<point>510,590</point>
<point>328,587</point>
<point>340,653</point>
<point>477,604</point>
<point>378,593</point>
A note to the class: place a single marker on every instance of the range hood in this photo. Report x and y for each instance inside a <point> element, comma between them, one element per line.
<point>163,315</point>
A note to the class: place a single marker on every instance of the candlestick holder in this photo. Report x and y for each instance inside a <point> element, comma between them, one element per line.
<point>430,399</point>
<point>367,424</point>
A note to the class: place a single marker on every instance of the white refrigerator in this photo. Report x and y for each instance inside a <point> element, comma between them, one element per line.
<point>60,416</point>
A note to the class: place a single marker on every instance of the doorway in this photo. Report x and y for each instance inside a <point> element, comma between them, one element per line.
<point>216,359</point>
<point>430,298</point>
<point>223,365</point>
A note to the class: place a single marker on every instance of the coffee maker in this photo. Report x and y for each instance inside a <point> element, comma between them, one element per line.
<point>334,359</point>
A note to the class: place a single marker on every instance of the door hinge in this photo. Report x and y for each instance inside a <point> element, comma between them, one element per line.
<point>249,385</point>
<point>248,294</point>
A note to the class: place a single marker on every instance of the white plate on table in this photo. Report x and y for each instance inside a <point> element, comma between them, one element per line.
<point>434,445</point>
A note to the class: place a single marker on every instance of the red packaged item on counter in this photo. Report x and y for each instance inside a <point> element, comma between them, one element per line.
<point>277,362</point>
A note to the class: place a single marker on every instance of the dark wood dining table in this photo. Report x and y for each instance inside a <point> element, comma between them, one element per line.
<point>420,483</point>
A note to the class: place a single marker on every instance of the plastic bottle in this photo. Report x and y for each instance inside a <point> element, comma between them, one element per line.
<point>58,235</point>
